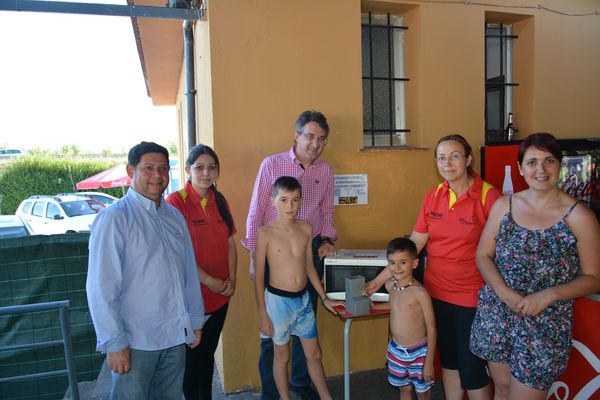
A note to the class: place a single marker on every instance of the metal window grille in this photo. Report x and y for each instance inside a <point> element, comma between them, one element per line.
<point>384,121</point>
<point>498,80</point>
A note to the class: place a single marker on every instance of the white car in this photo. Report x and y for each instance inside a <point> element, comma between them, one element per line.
<point>103,198</point>
<point>7,154</point>
<point>12,226</point>
<point>48,215</point>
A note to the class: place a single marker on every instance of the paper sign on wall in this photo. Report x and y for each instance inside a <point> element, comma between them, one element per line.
<point>351,189</point>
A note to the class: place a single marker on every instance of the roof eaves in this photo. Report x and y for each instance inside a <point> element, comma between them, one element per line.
<point>138,42</point>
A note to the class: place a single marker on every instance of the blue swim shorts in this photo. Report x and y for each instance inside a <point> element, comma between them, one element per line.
<point>405,365</point>
<point>291,313</point>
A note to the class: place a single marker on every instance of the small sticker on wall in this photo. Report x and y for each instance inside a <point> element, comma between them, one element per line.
<point>351,190</point>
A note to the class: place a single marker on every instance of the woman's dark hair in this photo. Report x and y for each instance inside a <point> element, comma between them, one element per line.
<point>543,141</point>
<point>466,146</point>
<point>193,155</point>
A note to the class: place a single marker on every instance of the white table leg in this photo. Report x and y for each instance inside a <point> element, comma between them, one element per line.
<point>347,359</point>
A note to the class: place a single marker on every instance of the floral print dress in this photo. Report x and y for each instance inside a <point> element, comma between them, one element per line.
<point>536,348</point>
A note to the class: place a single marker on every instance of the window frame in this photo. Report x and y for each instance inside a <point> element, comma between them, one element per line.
<point>27,206</point>
<point>503,83</point>
<point>395,74</point>
<point>35,207</point>
<point>51,207</point>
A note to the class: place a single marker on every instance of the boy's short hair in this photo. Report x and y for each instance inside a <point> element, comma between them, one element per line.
<point>287,183</point>
<point>400,244</point>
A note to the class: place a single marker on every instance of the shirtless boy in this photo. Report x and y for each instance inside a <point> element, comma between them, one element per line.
<point>412,322</point>
<point>284,308</point>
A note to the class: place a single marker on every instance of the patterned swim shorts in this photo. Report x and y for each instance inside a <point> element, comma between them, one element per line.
<point>405,365</point>
<point>290,314</point>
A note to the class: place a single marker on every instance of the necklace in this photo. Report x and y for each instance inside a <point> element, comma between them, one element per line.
<point>397,289</point>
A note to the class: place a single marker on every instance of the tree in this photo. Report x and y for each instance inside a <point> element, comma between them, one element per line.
<point>75,150</point>
<point>172,147</point>
<point>38,152</point>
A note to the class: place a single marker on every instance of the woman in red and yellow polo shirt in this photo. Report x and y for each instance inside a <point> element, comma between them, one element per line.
<point>211,227</point>
<point>450,223</point>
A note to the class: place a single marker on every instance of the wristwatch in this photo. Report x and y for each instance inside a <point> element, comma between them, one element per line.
<point>325,239</point>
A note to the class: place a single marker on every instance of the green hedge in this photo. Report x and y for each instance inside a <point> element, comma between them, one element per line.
<point>28,176</point>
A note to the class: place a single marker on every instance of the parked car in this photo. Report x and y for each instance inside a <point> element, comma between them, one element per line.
<point>14,226</point>
<point>49,215</point>
<point>103,198</point>
<point>7,154</point>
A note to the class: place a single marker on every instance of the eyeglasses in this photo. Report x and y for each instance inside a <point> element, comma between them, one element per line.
<point>453,157</point>
<point>311,137</point>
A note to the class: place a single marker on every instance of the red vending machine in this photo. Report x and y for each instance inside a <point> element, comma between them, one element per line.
<point>580,177</point>
<point>580,174</point>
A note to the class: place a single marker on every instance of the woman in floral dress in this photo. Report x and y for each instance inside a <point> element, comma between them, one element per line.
<point>538,251</point>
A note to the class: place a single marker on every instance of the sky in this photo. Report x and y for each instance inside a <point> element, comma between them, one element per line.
<point>75,79</point>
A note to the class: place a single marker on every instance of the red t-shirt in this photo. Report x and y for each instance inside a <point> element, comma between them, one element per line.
<point>454,227</point>
<point>210,237</point>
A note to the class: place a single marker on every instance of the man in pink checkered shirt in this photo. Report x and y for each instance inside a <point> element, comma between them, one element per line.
<point>316,177</point>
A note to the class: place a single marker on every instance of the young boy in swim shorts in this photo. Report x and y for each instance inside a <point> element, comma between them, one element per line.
<point>412,323</point>
<point>284,306</point>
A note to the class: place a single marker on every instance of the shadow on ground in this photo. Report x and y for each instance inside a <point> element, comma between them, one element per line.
<point>365,385</point>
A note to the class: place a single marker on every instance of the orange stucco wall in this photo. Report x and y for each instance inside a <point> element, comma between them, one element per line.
<point>261,62</point>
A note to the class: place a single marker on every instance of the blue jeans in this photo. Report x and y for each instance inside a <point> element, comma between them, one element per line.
<point>300,375</point>
<point>153,375</point>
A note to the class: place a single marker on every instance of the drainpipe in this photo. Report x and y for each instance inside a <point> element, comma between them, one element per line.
<point>190,83</point>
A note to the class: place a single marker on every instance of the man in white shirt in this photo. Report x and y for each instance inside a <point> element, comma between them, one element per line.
<point>142,286</point>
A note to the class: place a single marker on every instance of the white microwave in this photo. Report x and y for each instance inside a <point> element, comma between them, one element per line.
<point>346,263</point>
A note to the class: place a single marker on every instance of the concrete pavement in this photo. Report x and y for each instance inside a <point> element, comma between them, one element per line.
<point>366,385</point>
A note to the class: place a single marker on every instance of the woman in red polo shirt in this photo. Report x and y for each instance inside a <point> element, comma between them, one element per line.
<point>450,223</point>
<point>211,227</point>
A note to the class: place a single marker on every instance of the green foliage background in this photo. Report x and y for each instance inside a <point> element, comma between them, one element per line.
<point>33,175</point>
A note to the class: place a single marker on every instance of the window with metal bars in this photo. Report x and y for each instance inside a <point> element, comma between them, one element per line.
<point>383,80</point>
<point>498,80</point>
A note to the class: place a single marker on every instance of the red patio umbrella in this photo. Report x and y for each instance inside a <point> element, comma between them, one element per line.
<point>113,177</point>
